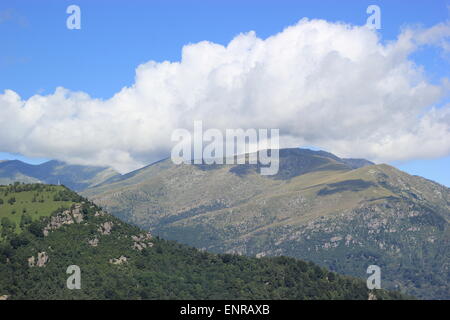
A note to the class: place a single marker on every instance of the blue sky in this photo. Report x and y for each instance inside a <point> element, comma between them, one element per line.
<point>38,53</point>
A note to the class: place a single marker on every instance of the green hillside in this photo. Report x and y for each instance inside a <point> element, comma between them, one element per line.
<point>343,214</point>
<point>121,261</point>
<point>20,204</point>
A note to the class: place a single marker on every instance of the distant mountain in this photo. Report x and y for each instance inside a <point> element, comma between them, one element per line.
<point>120,261</point>
<point>76,177</point>
<point>345,214</point>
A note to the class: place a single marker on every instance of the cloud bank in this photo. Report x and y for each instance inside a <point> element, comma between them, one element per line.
<point>332,85</point>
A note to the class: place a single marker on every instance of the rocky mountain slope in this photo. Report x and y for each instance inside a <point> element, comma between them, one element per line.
<point>120,261</point>
<point>344,214</point>
<point>76,177</point>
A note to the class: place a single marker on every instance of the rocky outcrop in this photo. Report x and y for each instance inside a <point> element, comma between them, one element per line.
<point>4,297</point>
<point>372,296</point>
<point>40,261</point>
<point>66,217</point>
<point>120,260</point>
<point>77,215</point>
<point>99,214</point>
<point>93,242</point>
<point>142,241</point>
<point>31,261</point>
<point>106,227</point>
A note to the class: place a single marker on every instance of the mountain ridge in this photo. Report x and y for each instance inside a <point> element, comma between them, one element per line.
<point>121,261</point>
<point>317,208</point>
<point>76,177</point>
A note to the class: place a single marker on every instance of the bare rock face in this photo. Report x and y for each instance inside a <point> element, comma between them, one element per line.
<point>99,214</point>
<point>260,255</point>
<point>105,228</point>
<point>372,296</point>
<point>142,241</point>
<point>4,297</point>
<point>40,261</point>
<point>31,261</point>
<point>120,260</point>
<point>64,218</point>
<point>142,245</point>
<point>58,221</point>
<point>93,242</point>
<point>77,215</point>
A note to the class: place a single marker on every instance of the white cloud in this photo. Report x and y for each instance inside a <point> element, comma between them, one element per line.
<point>326,84</point>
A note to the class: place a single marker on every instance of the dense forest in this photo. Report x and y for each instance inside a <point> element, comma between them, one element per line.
<point>121,261</point>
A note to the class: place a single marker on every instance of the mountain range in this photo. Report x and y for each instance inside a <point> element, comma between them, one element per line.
<point>116,260</point>
<point>343,214</point>
<point>76,177</point>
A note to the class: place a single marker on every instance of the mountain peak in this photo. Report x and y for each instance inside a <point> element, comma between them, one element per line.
<point>13,161</point>
<point>76,177</point>
<point>343,213</point>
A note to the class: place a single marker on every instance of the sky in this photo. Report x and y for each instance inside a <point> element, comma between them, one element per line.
<point>111,92</point>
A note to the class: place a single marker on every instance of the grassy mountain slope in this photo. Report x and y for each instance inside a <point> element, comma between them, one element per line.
<point>342,214</point>
<point>76,177</point>
<point>22,204</point>
<point>120,261</point>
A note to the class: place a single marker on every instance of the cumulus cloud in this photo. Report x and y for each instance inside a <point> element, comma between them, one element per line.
<point>331,85</point>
